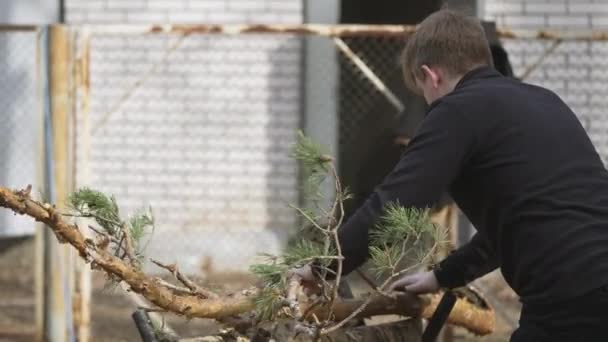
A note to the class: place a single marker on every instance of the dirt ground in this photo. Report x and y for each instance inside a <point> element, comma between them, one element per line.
<point>112,309</point>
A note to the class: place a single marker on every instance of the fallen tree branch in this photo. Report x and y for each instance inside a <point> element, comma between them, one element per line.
<point>479,320</point>
<point>198,290</point>
<point>128,243</point>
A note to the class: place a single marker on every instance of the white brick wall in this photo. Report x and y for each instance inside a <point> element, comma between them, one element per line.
<point>184,11</point>
<point>575,69</point>
<point>205,139</point>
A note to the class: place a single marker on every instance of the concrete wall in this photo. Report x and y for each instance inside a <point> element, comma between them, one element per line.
<point>576,70</point>
<point>205,139</point>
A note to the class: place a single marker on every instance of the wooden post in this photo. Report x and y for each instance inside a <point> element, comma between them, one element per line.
<point>80,170</point>
<point>59,259</point>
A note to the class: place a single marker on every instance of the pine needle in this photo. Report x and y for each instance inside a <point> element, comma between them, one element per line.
<point>140,225</point>
<point>398,223</point>
<point>267,303</point>
<point>272,275</point>
<point>315,161</point>
<point>102,208</point>
<point>302,252</point>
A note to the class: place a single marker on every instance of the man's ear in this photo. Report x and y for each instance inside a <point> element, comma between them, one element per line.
<point>432,75</point>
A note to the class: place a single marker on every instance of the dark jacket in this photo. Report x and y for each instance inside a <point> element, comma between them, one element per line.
<point>519,164</point>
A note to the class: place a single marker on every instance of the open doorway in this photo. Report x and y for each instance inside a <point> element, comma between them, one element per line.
<point>368,122</point>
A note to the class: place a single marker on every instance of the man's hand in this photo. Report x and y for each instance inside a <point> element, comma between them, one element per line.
<point>419,283</point>
<point>304,272</point>
<point>308,280</point>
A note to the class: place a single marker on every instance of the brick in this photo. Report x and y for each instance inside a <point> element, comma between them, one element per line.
<point>599,21</point>
<point>576,99</point>
<point>189,17</point>
<point>555,59</point>
<point>170,5</point>
<point>574,47</point>
<point>525,21</point>
<point>147,17</point>
<point>580,60</point>
<point>577,7</point>
<point>569,21</point>
<point>76,17</point>
<point>227,18</point>
<point>284,6</point>
<point>246,5</point>
<point>211,5</point>
<point>501,8</point>
<point>570,73</point>
<point>542,8</point>
<point>72,5</point>
<point>107,16</point>
<point>290,18</point>
<point>125,4</point>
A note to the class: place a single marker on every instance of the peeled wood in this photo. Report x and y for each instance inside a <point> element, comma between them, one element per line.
<point>479,320</point>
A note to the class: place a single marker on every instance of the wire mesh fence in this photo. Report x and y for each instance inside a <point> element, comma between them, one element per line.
<point>21,124</point>
<point>20,164</point>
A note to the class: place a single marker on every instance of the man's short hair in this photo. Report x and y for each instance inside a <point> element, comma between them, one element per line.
<point>446,39</point>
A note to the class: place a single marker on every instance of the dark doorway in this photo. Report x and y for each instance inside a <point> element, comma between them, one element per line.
<point>368,123</point>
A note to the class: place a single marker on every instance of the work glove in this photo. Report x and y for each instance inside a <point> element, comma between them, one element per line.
<point>418,283</point>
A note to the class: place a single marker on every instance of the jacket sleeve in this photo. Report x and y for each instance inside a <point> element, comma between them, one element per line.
<point>467,263</point>
<point>442,146</point>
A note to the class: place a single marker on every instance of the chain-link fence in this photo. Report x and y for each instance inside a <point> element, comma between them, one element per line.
<point>21,124</point>
<point>21,159</point>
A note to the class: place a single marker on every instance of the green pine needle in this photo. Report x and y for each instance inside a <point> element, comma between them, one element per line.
<point>272,275</point>
<point>315,161</point>
<point>309,152</point>
<point>384,260</point>
<point>140,225</point>
<point>312,184</point>
<point>302,252</point>
<point>267,303</point>
<point>403,237</point>
<point>94,203</point>
<point>398,223</point>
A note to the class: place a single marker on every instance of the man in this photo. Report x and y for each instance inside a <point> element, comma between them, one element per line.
<point>519,164</point>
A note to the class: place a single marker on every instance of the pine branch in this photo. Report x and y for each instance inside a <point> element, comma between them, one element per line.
<point>128,244</point>
<point>92,203</point>
<point>307,216</point>
<point>194,288</point>
<point>480,320</point>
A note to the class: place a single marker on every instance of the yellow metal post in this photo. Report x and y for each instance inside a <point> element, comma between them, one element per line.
<point>59,259</point>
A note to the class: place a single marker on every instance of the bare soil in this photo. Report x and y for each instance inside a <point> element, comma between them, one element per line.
<point>112,309</point>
